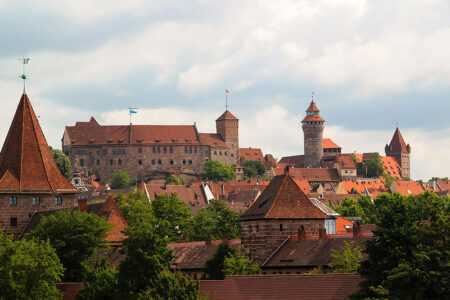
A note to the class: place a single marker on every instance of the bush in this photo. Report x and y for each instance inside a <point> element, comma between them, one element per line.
<point>254,168</point>
<point>174,180</point>
<point>62,162</point>
<point>215,170</point>
<point>121,180</point>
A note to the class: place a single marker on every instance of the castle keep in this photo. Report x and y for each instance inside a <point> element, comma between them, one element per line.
<point>313,126</point>
<point>143,150</point>
<point>401,152</point>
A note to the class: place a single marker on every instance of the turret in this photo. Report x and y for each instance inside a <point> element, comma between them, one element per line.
<point>401,152</point>
<point>313,126</point>
<point>227,126</point>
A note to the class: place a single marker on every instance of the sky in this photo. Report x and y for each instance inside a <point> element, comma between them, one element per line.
<point>370,64</point>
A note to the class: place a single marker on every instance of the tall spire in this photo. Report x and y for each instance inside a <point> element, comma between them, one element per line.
<point>24,76</point>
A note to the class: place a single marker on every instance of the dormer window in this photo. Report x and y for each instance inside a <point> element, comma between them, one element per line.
<point>13,200</point>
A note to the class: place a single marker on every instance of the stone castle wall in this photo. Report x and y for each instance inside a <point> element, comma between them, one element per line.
<point>313,144</point>
<point>260,238</point>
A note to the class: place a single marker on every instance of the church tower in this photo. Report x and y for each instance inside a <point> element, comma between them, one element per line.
<point>399,150</point>
<point>227,126</point>
<point>313,126</point>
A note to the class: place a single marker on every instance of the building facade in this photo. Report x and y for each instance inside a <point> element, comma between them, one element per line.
<point>144,150</point>
<point>30,180</point>
<point>401,151</point>
<point>313,126</point>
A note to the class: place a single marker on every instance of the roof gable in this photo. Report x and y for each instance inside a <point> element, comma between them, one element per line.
<point>227,115</point>
<point>398,144</point>
<point>26,162</point>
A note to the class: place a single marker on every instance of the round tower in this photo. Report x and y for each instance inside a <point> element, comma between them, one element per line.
<point>313,126</point>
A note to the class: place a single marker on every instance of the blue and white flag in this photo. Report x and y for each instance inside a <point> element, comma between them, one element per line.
<point>133,112</point>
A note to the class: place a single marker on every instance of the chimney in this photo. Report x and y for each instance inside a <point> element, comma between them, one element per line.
<point>225,241</point>
<point>82,205</point>
<point>301,233</point>
<point>208,240</point>
<point>356,230</point>
<point>286,170</point>
<point>131,133</point>
<point>322,233</point>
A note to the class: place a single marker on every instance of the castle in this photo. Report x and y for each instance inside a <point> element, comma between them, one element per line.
<point>145,150</point>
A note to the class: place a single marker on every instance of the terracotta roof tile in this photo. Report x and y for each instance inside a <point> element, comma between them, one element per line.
<point>391,166</point>
<point>193,195</point>
<point>329,144</point>
<point>212,139</point>
<point>227,115</point>
<point>26,162</point>
<point>313,118</point>
<point>312,107</point>
<point>407,188</point>
<point>297,160</point>
<point>398,144</point>
<point>315,174</point>
<point>251,154</point>
<point>345,161</point>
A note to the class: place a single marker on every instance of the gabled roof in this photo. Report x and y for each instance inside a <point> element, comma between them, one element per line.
<point>251,154</point>
<point>407,188</point>
<point>283,199</point>
<point>26,162</point>
<point>345,161</point>
<point>312,107</point>
<point>397,144</point>
<point>227,115</point>
<point>329,144</point>
<point>315,174</point>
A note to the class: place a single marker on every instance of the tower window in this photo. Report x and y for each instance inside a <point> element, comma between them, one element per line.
<point>220,152</point>
<point>58,200</point>
<point>111,162</point>
<point>98,162</point>
<point>13,200</point>
<point>190,162</point>
<point>184,161</point>
<point>171,162</point>
<point>154,149</point>
<point>13,222</point>
<point>35,200</point>
<point>153,161</point>
<point>170,149</point>
<point>159,161</point>
<point>185,149</point>
<point>215,152</point>
<point>81,162</point>
<point>281,227</point>
<point>190,149</point>
<point>159,149</point>
<point>140,162</point>
<point>119,161</point>
<point>195,149</point>
<point>165,149</point>
<point>140,150</point>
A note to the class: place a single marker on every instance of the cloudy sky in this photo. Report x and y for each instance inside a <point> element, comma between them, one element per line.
<point>371,64</point>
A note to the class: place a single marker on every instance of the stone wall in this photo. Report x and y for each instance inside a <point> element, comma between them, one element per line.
<point>25,208</point>
<point>260,238</point>
<point>313,144</point>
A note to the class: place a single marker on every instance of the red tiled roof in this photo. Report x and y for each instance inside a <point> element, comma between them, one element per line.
<point>345,161</point>
<point>407,188</point>
<point>397,144</point>
<point>227,115</point>
<point>297,160</point>
<point>303,185</point>
<point>276,287</point>
<point>312,107</point>
<point>192,196</point>
<point>251,154</point>
<point>26,162</point>
<point>329,144</point>
<point>283,199</point>
<point>391,166</point>
<point>211,139</point>
<point>313,118</point>
<point>69,289</point>
<point>360,186</point>
<point>315,174</point>
<point>444,185</point>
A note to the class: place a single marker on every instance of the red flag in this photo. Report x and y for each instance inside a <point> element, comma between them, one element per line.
<point>227,92</point>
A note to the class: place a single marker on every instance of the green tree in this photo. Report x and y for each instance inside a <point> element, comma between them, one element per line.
<point>237,264</point>
<point>254,168</point>
<point>214,268</point>
<point>408,258</point>
<point>63,163</point>
<point>218,220</point>
<point>361,207</point>
<point>121,179</point>
<point>215,170</point>
<point>389,180</point>
<point>29,269</point>
<point>354,158</point>
<point>173,217</point>
<point>174,180</point>
<point>439,178</point>
<point>76,237</point>
<point>344,260</point>
<point>135,207</point>
<point>100,281</point>
<point>373,167</point>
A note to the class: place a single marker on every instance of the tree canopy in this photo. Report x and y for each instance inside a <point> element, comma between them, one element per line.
<point>373,167</point>
<point>215,170</point>
<point>361,207</point>
<point>121,179</point>
<point>214,268</point>
<point>29,269</point>
<point>174,180</point>
<point>76,237</point>
<point>254,168</point>
<point>63,163</point>
<point>237,264</point>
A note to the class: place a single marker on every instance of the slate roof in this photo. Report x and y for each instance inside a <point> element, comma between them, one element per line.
<point>227,115</point>
<point>283,199</point>
<point>398,144</point>
<point>26,162</point>
<point>275,287</point>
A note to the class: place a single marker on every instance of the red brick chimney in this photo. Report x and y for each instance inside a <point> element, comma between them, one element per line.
<point>82,205</point>
<point>322,233</point>
<point>286,170</point>
<point>301,233</point>
<point>208,240</point>
<point>225,241</point>
<point>356,230</point>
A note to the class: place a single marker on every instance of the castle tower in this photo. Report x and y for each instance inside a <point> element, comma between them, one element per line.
<point>227,126</point>
<point>313,126</point>
<point>399,150</point>
<point>30,180</point>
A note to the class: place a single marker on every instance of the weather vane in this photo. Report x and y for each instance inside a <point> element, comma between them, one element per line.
<point>24,61</point>
<point>312,96</point>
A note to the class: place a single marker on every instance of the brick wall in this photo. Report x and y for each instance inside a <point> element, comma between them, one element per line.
<point>313,144</point>
<point>24,209</point>
<point>260,238</point>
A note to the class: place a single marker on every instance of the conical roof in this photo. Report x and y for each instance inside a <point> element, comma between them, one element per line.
<point>26,162</point>
<point>227,115</point>
<point>312,107</point>
<point>283,198</point>
<point>398,144</point>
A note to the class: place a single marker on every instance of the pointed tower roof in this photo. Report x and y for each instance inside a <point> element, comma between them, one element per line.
<point>397,144</point>
<point>227,115</point>
<point>284,198</point>
<point>312,107</point>
<point>26,162</point>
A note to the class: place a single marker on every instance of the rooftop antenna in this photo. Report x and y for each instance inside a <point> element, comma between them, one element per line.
<point>24,61</point>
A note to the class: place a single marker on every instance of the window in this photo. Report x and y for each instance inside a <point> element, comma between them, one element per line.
<point>81,162</point>
<point>98,152</point>
<point>98,162</point>
<point>13,200</point>
<point>154,149</point>
<point>215,152</point>
<point>171,162</point>
<point>35,200</point>
<point>105,151</point>
<point>184,161</point>
<point>153,161</point>
<point>119,161</point>
<point>281,227</point>
<point>226,154</point>
<point>140,162</point>
<point>118,152</point>
<point>111,162</point>
<point>159,161</point>
<point>190,161</point>
<point>171,149</point>
<point>58,200</point>
<point>185,149</point>
<point>159,149</point>
<point>220,153</point>
<point>232,155</point>
<point>13,222</point>
<point>330,226</point>
<point>76,181</point>
<point>190,149</point>
<point>165,149</point>
<point>140,150</point>
<point>195,149</point>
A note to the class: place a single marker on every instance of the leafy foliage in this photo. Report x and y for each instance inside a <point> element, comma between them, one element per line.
<point>121,179</point>
<point>76,237</point>
<point>408,257</point>
<point>29,269</point>
<point>389,180</point>
<point>63,163</point>
<point>354,158</point>
<point>361,207</point>
<point>347,259</point>
<point>254,168</point>
<point>174,180</point>
<point>214,268</point>
<point>215,170</point>
<point>100,281</point>
<point>373,167</point>
<point>238,264</point>
<point>218,220</point>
